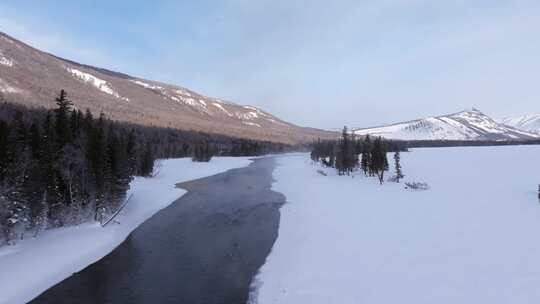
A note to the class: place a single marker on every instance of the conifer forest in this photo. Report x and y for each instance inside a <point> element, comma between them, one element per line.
<point>64,166</point>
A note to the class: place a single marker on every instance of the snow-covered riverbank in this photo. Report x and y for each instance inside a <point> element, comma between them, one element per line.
<point>34,265</point>
<point>472,238</point>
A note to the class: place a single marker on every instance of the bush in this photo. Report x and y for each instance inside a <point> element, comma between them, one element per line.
<point>417,186</point>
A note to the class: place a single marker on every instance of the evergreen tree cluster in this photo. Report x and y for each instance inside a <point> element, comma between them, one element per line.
<point>350,153</point>
<point>63,167</point>
<point>346,157</point>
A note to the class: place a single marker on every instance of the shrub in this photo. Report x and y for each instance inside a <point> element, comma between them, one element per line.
<point>417,186</point>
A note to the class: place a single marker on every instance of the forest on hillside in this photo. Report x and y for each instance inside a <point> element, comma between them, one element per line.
<point>64,167</point>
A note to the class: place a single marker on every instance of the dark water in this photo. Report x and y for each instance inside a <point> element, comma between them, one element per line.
<point>204,248</point>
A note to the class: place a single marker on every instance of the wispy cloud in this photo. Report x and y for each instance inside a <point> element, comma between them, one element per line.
<point>321,64</point>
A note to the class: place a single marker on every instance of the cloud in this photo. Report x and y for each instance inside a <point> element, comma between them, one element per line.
<point>324,64</point>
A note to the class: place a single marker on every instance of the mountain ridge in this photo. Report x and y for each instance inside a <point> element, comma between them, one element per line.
<point>470,124</point>
<point>32,77</point>
<point>527,122</point>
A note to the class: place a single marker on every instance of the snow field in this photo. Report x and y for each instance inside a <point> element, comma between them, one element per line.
<point>472,238</point>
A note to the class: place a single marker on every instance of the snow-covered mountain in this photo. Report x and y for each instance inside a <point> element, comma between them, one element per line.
<point>465,125</point>
<point>530,122</point>
<point>34,78</point>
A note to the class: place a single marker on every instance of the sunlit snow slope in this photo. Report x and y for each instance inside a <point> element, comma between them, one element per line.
<point>465,125</point>
<point>530,122</point>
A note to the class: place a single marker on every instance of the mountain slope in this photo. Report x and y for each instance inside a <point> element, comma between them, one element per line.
<point>466,125</point>
<point>32,77</point>
<point>529,123</point>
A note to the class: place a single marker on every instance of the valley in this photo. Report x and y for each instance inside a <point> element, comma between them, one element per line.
<point>269,152</point>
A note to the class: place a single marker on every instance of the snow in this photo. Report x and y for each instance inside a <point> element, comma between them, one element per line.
<point>257,111</point>
<point>219,106</point>
<point>35,264</point>
<point>6,88</point>
<point>197,104</point>
<point>471,238</point>
<point>247,116</point>
<point>425,129</point>
<point>253,113</point>
<point>188,100</point>
<point>147,85</point>
<point>529,122</point>
<point>177,95</point>
<point>277,122</point>
<point>5,61</point>
<point>465,125</point>
<point>99,83</point>
<point>183,92</point>
<point>248,123</point>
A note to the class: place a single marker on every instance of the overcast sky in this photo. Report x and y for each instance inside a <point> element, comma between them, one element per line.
<point>315,63</point>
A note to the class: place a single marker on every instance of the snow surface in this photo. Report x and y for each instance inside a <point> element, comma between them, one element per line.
<point>472,238</point>
<point>99,83</point>
<point>5,61</point>
<point>35,264</point>
<point>219,106</point>
<point>177,95</point>
<point>6,88</point>
<point>248,123</point>
<point>529,122</point>
<point>147,85</point>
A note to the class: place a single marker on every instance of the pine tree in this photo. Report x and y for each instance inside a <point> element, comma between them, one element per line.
<point>35,140</point>
<point>346,158</point>
<point>119,169</point>
<point>131,152</point>
<point>379,161</point>
<point>399,173</point>
<point>96,157</point>
<point>364,162</point>
<point>17,208</point>
<point>147,162</point>
<point>4,145</point>
<point>62,123</point>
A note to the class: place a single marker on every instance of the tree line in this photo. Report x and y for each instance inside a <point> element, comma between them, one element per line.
<point>63,167</point>
<point>351,153</point>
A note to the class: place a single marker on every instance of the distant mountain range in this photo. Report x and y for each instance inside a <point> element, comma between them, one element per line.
<point>530,123</point>
<point>32,77</point>
<point>470,125</point>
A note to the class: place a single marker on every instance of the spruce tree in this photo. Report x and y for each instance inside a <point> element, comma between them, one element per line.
<point>4,146</point>
<point>131,152</point>
<point>47,161</point>
<point>399,173</point>
<point>364,162</point>
<point>96,155</point>
<point>62,122</point>
<point>379,161</point>
<point>346,158</point>
<point>17,207</point>
<point>147,162</point>
<point>119,169</point>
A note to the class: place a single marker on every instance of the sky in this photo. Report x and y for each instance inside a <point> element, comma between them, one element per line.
<point>315,63</point>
